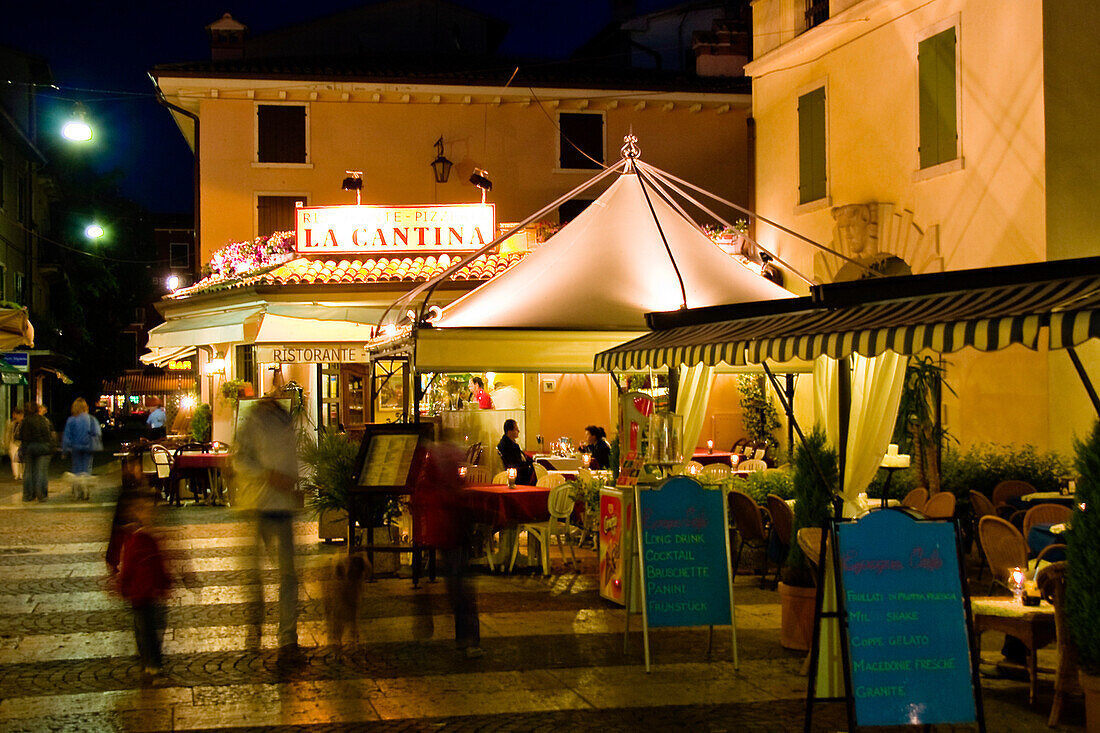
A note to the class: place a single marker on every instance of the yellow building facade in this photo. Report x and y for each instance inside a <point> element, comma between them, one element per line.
<point>941,135</point>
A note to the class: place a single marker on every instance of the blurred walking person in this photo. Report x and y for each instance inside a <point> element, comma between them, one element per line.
<point>11,444</point>
<point>266,469</point>
<point>36,437</point>
<point>442,524</point>
<point>143,580</point>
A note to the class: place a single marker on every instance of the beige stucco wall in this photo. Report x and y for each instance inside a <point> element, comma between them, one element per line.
<point>1018,195</point>
<point>392,143</point>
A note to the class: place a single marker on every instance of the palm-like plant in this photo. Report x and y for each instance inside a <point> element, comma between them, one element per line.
<point>331,463</point>
<point>917,431</point>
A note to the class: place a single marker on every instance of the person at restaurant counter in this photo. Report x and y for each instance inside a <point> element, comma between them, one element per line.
<point>596,444</point>
<point>155,421</point>
<point>513,456</point>
<point>506,397</point>
<point>479,395</point>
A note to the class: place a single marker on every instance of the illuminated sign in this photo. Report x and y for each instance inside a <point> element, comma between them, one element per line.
<point>179,365</point>
<point>365,230</point>
<point>310,354</point>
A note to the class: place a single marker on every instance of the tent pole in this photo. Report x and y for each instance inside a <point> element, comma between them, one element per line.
<point>844,409</point>
<point>1084,375</point>
<point>788,407</point>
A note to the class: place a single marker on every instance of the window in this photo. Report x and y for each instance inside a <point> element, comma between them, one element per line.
<point>817,12</point>
<point>3,282</point>
<point>938,101</point>
<point>23,203</point>
<point>276,214</point>
<point>570,209</point>
<point>245,362</point>
<point>179,255</point>
<point>20,295</point>
<point>584,131</point>
<point>280,133</point>
<point>2,171</point>
<point>811,146</point>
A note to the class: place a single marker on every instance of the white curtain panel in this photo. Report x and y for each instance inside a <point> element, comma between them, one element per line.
<point>691,404</point>
<point>876,392</point>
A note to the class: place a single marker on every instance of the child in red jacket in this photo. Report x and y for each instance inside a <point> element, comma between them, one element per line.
<point>143,581</point>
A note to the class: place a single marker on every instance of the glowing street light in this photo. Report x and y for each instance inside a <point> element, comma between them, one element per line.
<point>173,282</point>
<point>77,128</point>
<point>93,231</point>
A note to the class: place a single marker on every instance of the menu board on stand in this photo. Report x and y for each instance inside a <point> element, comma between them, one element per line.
<point>906,628</point>
<point>616,530</point>
<point>683,571</point>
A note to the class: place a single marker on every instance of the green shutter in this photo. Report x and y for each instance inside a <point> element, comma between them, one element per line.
<point>937,99</point>
<point>811,146</point>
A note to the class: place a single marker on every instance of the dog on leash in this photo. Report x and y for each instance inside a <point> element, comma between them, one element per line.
<point>343,587</point>
<point>80,484</point>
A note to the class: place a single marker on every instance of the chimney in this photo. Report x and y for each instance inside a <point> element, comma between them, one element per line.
<point>226,38</point>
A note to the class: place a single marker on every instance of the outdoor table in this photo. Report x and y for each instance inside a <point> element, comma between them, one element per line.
<point>718,456</point>
<point>500,506</point>
<point>559,463</point>
<point>1032,625</point>
<point>188,464</point>
<point>1041,535</point>
<point>1027,501</point>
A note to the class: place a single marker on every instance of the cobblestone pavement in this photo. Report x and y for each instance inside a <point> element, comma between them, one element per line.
<point>554,656</point>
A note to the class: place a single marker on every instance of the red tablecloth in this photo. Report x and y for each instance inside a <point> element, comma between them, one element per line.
<point>501,506</point>
<point>716,457</point>
<point>196,460</point>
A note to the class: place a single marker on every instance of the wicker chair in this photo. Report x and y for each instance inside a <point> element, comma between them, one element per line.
<point>981,506</point>
<point>782,523</point>
<point>1005,549</point>
<point>1052,586</point>
<point>1045,514</point>
<point>916,498</point>
<point>749,522</point>
<point>1006,490</point>
<point>940,506</point>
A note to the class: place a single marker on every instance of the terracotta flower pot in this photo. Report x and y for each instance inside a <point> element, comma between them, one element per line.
<point>1091,687</point>
<point>796,616</point>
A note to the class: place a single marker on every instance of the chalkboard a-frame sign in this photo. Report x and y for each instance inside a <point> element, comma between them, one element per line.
<point>683,566</point>
<point>906,630</point>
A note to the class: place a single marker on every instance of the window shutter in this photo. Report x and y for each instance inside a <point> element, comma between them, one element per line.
<point>937,99</point>
<point>275,214</point>
<point>585,131</point>
<point>281,133</point>
<point>811,146</point>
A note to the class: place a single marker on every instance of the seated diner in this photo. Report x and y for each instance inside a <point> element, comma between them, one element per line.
<point>597,446</point>
<point>512,455</point>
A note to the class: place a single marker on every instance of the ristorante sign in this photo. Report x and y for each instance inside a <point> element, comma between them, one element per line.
<point>365,230</point>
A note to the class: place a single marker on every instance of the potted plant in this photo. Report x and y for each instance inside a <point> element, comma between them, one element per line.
<point>1083,568</point>
<point>202,423</point>
<point>759,414</point>
<point>812,508</point>
<point>331,463</point>
<point>231,391</point>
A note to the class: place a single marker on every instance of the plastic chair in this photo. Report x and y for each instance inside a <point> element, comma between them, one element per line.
<point>1045,514</point>
<point>473,454</point>
<point>749,523</point>
<point>753,464</point>
<point>560,503</point>
<point>476,475</point>
<point>940,506</point>
<point>716,470</point>
<point>759,454</point>
<point>540,473</point>
<point>550,480</point>
<point>916,498</point>
<point>1052,587</point>
<point>981,506</point>
<point>1006,490</point>
<point>162,462</point>
<point>693,468</point>
<point>782,523</point>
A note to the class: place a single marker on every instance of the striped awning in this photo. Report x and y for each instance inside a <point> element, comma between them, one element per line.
<point>986,309</point>
<point>150,384</point>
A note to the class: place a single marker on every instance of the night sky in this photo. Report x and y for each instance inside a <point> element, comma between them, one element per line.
<point>100,53</point>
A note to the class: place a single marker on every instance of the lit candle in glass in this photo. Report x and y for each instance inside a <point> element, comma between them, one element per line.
<point>710,446</point>
<point>587,460</point>
<point>512,476</point>
<point>462,472</point>
<point>693,470</point>
<point>1018,585</point>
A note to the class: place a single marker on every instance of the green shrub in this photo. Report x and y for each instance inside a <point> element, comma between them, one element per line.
<point>904,481</point>
<point>813,497</point>
<point>984,466</point>
<point>331,463</point>
<point>1083,556</point>
<point>759,484</point>
<point>202,423</point>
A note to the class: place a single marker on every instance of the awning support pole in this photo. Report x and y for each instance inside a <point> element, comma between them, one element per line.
<point>844,409</point>
<point>1084,375</point>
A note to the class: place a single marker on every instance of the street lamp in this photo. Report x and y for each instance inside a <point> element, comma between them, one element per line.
<point>94,231</point>
<point>77,128</point>
<point>441,167</point>
<point>172,282</point>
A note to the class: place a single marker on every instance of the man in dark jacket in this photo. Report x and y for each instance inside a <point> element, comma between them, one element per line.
<point>513,456</point>
<point>35,435</point>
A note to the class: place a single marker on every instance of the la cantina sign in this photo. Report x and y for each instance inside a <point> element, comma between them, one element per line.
<point>382,229</point>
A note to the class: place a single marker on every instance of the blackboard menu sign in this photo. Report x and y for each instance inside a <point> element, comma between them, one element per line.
<point>390,456</point>
<point>908,638</point>
<point>684,558</point>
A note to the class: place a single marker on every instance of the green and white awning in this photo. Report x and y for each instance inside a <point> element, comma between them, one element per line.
<point>986,309</point>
